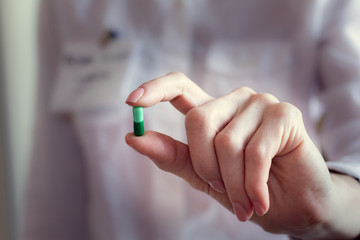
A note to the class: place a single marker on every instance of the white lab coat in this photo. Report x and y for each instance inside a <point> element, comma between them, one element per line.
<point>85,183</point>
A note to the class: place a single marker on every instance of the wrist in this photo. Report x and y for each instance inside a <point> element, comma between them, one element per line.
<point>342,213</point>
<point>345,219</point>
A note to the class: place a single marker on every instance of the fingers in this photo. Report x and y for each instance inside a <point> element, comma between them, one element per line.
<point>231,140</point>
<point>173,156</point>
<point>231,144</point>
<point>202,125</point>
<point>174,87</point>
<point>277,135</point>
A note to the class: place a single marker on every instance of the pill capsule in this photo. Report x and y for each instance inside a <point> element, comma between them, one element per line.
<point>138,118</point>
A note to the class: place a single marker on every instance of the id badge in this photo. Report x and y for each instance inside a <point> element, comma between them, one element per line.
<point>92,77</point>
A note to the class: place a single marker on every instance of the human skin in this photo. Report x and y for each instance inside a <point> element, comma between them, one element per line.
<point>252,154</point>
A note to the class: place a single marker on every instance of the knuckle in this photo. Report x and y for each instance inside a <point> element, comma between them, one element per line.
<point>264,98</point>
<point>177,75</point>
<point>152,81</point>
<point>225,142</point>
<point>254,152</point>
<point>197,119</point>
<point>162,166</point>
<point>284,110</point>
<point>171,165</point>
<point>244,90</point>
<point>165,166</point>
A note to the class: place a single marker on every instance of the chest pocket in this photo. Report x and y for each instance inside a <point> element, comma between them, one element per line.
<point>265,66</point>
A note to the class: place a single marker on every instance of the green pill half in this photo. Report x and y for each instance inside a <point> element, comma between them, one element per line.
<point>138,117</point>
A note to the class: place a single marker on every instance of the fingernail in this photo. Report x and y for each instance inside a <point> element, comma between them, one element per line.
<point>218,186</point>
<point>241,213</point>
<point>259,209</point>
<point>135,95</point>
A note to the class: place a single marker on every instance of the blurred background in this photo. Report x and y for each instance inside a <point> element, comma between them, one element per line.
<point>18,76</point>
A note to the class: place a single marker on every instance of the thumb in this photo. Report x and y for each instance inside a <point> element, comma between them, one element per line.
<point>173,156</point>
<point>168,154</point>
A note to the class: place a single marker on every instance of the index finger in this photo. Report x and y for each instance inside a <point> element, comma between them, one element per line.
<point>174,87</point>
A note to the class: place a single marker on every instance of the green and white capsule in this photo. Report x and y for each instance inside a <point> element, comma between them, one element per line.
<point>138,118</point>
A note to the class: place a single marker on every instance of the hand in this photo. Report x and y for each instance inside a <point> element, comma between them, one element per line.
<point>248,151</point>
